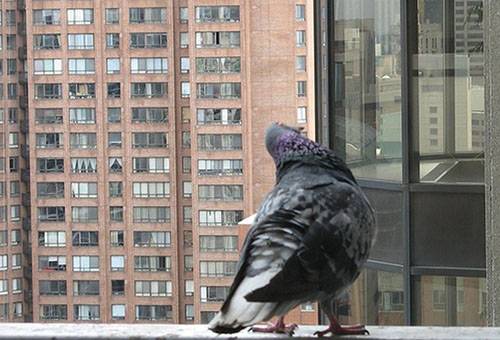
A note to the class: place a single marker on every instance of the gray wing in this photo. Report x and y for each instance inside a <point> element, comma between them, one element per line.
<point>292,230</point>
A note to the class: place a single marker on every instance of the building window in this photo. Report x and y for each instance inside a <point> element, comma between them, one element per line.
<point>81,90</point>
<point>115,164</point>
<point>300,38</point>
<point>118,287</point>
<point>186,139</point>
<point>217,268</point>
<point>85,238</point>
<point>85,263</point>
<point>301,88</point>
<point>213,293</point>
<point>112,40</point>
<point>220,167</point>
<point>86,288</point>
<point>152,263</point>
<point>188,288</point>
<point>301,115</point>
<point>81,66</point>
<point>115,189</point>
<point>153,288</point>
<point>57,263</point>
<point>82,115</point>
<point>189,312</point>
<point>52,287</point>
<point>148,65</point>
<point>185,89</point>
<point>116,214</point>
<point>48,91</point>
<point>187,189</point>
<point>151,214</point>
<point>151,15</point>
<point>84,214</point>
<point>117,263</point>
<point>188,263</point>
<point>51,214</point>
<point>46,17</point>
<point>113,90</point>
<point>148,90</point>
<point>151,190</point>
<point>186,165</point>
<point>15,237</point>
<point>213,14</point>
<point>300,63</point>
<point>49,165</point>
<point>183,39</point>
<point>113,65</point>
<point>52,238</point>
<point>50,190</point>
<point>118,312</point>
<point>218,243</point>
<point>149,115</point>
<point>153,312</point>
<point>183,15</point>
<point>116,238</point>
<point>83,189</point>
<point>83,165</point>
<point>148,40</point>
<point>80,16</point>
<point>17,286</point>
<point>152,239</point>
<point>86,312</point>
<point>219,142</point>
<point>185,64</point>
<point>15,189</point>
<point>151,165</point>
<point>187,214</point>
<point>47,66</point>
<point>218,116</point>
<point>300,12</point>
<point>218,65</point>
<point>46,41</point>
<point>114,114</point>
<point>49,116</point>
<point>222,39</point>
<point>83,140</point>
<point>80,41</point>
<point>149,140</point>
<point>53,312</point>
<point>218,90</point>
<point>112,15</point>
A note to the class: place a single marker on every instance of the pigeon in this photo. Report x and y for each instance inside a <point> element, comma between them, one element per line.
<point>309,240</point>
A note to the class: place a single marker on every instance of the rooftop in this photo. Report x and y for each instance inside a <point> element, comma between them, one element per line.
<point>163,331</point>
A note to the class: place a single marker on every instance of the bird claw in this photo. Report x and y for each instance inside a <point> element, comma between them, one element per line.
<point>276,328</point>
<point>343,330</point>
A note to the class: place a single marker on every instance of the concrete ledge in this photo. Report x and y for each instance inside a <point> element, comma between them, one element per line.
<point>164,331</point>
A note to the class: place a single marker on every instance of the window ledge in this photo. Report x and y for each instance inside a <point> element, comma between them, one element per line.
<point>166,331</point>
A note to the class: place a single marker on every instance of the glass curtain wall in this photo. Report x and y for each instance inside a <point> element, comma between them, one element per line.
<point>400,92</point>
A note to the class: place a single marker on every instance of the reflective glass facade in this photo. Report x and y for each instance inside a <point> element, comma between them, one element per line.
<point>400,96</point>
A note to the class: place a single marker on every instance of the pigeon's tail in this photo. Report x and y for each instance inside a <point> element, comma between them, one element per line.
<point>239,312</point>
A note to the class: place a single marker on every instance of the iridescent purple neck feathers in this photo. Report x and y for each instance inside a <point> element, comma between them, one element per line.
<point>292,144</point>
<point>284,143</point>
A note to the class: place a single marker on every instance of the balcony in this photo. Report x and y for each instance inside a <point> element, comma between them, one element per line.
<point>165,331</point>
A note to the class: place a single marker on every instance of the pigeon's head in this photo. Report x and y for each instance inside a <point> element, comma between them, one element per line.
<point>283,142</point>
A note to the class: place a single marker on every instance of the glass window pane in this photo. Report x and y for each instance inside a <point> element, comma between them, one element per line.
<point>450,91</point>
<point>368,87</point>
<point>450,301</point>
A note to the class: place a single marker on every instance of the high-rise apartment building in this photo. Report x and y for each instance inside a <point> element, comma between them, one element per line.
<point>145,122</point>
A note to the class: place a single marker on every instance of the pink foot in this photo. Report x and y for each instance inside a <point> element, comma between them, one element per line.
<point>337,329</point>
<point>278,327</point>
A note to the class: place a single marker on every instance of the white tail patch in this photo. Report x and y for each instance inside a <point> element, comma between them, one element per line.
<point>241,313</point>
